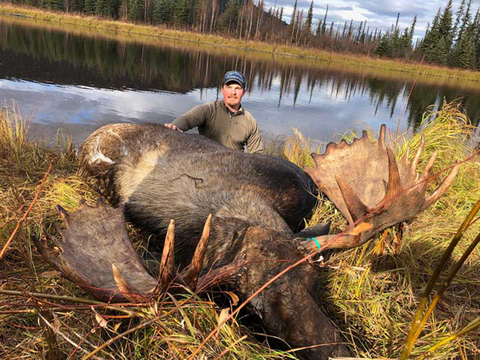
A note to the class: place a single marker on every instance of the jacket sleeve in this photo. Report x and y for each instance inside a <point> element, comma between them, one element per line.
<point>195,117</point>
<point>254,141</point>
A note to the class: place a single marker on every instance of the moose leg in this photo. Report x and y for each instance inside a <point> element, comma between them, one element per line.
<point>288,307</point>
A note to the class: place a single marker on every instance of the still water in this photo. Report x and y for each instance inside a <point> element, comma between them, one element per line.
<point>79,79</point>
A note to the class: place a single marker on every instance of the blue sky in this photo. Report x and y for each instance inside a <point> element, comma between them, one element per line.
<point>379,14</point>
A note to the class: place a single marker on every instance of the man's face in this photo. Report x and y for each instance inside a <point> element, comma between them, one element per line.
<point>232,94</point>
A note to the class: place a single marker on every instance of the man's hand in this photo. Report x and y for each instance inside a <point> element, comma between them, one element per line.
<point>173,127</point>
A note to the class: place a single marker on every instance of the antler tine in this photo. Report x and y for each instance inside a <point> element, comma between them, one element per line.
<point>428,167</point>
<point>64,214</point>
<point>167,265</point>
<point>382,136</point>
<point>394,185</point>
<point>191,275</point>
<point>46,253</point>
<point>127,290</point>
<point>52,238</point>
<point>355,206</point>
<point>416,158</point>
<point>443,187</point>
<point>328,242</point>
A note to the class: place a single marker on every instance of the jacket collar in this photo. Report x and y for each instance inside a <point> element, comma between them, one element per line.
<point>240,111</point>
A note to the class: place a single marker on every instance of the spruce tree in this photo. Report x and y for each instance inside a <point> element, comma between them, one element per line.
<point>476,38</point>
<point>56,5</point>
<point>230,16</point>
<point>77,5</point>
<point>458,21</point>
<point>318,31</point>
<point>181,12</point>
<point>431,39</point>
<point>308,22</point>
<point>466,21</point>
<point>89,7</point>
<point>292,21</point>
<point>163,11</point>
<point>445,26</point>
<point>134,11</point>
<point>439,53</point>
<point>324,22</point>
<point>404,44</point>
<point>412,29</point>
<point>385,46</point>
<point>463,53</point>
<point>99,7</point>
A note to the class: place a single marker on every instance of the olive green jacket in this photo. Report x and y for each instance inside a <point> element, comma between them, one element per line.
<point>216,122</point>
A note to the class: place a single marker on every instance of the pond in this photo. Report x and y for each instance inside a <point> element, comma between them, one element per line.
<point>78,79</point>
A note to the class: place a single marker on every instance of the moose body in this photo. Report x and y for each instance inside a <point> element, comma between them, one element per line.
<point>257,203</point>
<point>160,174</point>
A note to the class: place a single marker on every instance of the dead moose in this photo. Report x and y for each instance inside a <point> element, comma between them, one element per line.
<point>152,174</point>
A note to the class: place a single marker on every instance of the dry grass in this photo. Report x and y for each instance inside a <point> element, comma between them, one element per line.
<point>374,289</point>
<point>57,321</point>
<point>377,287</point>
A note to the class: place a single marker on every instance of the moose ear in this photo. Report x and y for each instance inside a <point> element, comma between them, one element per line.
<point>367,184</point>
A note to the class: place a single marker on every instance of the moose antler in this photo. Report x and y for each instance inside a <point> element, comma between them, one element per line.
<point>97,255</point>
<point>364,181</point>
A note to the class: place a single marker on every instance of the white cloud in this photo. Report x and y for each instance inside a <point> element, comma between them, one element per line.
<point>355,14</point>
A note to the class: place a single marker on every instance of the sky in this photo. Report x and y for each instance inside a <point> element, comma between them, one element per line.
<point>379,14</point>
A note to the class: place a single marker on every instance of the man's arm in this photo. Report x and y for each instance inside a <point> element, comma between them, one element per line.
<point>254,141</point>
<point>193,118</point>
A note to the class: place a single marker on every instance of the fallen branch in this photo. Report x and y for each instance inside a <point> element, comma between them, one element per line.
<point>118,307</point>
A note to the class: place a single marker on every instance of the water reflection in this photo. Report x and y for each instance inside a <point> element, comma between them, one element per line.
<point>65,78</point>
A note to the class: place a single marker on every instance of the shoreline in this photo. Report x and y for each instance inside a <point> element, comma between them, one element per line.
<point>314,56</point>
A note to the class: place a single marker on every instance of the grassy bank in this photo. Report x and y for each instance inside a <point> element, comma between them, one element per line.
<point>350,61</point>
<point>374,289</point>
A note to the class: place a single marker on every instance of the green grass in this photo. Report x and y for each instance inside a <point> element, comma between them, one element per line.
<point>351,63</point>
<point>374,290</point>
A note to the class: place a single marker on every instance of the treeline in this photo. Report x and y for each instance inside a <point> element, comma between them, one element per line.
<point>446,42</point>
<point>241,19</point>
<point>451,40</point>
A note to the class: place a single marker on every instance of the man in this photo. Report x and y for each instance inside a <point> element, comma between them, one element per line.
<point>224,121</point>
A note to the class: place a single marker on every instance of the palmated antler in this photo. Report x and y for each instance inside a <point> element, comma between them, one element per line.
<point>97,255</point>
<point>368,185</point>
